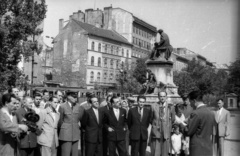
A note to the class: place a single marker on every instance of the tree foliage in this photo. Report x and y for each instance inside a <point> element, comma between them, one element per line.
<point>140,70</point>
<point>18,33</point>
<point>200,77</point>
<point>234,77</point>
<point>126,80</point>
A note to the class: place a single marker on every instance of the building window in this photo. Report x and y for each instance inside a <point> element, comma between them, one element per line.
<point>92,45</point>
<point>99,62</point>
<point>98,77</point>
<point>117,51</point>
<point>111,49</point>
<point>117,64</point>
<point>127,54</point>
<point>111,77</point>
<point>99,47</point>
<point>122,64</point>
<point>105,62</point>
<point>105,48</point>
<point>111,63</point>
<point>105,76</point>
<point>91,76</point>
<point>92,61</point>
<point>122,52</point>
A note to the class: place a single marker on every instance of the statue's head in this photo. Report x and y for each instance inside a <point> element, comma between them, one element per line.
<point>160,31</point>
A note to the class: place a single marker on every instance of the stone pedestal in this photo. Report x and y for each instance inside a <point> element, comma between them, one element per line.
<point>163,71</point>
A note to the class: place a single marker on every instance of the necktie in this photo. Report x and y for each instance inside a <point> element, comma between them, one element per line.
<point>97,116</point>
<point>219,115</point>
<point>117,113</point>
<point>140,115</point>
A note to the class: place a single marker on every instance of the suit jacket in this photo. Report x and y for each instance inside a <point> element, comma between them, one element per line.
<point>119,126</point>
<point>200,130</point>
<point>69,122</point>
<point>93,129</point>
<point>138,126</point>
<point>222,122</point>
<point>48,124</point>
<point>28,140</point>
<point>162,126</point>
<point>8,144</point>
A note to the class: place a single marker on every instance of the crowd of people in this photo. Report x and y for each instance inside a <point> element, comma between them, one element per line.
<point>115,127</point>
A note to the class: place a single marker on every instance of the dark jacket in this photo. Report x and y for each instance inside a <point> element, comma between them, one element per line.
<point>93,129</point>
<point>138,127</point>
<point>119,126</point>
<point>69,122</point>
<point>26,140</point>
<point>200,129</point>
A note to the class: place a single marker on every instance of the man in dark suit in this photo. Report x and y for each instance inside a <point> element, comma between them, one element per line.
<point>92,123</point>
<point>139,119</point>
<point>222,118</point>
<point>200,126</point>
<point>70,116</point>
<point>105,109</point>
<point>28,140</point>
<point>116,125</point>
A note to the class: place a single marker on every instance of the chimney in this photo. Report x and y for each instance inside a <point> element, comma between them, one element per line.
<point>75,16</point>
<point>60,24</point>
<point>87,12</point>
<point>81,16</point>
<point>107,17</point>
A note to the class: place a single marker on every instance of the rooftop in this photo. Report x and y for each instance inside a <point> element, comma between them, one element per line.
<point>143,23</point>
<point>106,33</point>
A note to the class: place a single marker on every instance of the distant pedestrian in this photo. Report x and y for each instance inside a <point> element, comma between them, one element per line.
<point>222,117</point>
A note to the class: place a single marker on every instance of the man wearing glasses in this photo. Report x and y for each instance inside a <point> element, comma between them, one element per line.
<point>139,119</point>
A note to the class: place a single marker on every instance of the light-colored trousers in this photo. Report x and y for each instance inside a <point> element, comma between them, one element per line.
<point>159,147</point>
<point>48,151</point>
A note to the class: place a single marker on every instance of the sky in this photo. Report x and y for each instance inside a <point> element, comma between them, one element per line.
<point>206,27</point>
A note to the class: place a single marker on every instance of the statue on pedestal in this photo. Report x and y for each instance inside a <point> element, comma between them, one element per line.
<point>151,82</point>
<point>162,47</point>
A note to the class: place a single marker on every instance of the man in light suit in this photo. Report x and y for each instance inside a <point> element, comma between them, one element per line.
<point>92,123</point>
<point>163,116</point>
<point>48,140</point>
<point>200,126</point>
<point>222,117</point>
<point>70,116</point>
<point>139,119</point>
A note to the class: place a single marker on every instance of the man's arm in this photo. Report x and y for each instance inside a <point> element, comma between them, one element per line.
<point>61,112</point>
<point>129,119</point>
<point>227,123</point>
<point>194,121</point>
